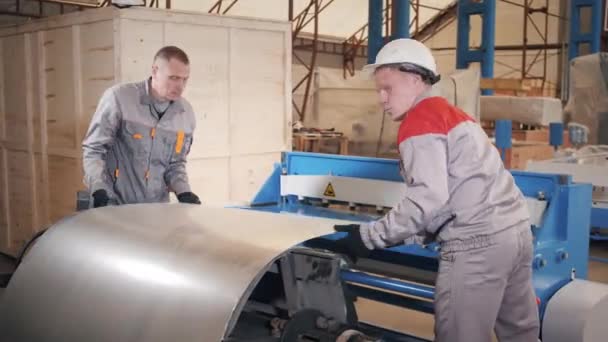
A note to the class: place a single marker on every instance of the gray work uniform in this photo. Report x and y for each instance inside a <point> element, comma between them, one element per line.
<point>459,194</point>
<point>133,154</point>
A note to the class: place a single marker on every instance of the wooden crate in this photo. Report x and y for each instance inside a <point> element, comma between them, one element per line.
<point>538,135</point>
<point>510,86</point>
<point>520,153</point>
<point>312,142</point>
<point>55,69</point>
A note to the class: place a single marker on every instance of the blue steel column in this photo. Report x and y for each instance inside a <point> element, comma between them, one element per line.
<point>503,137</point>
<point>484,55</point>
<point>577,37</point>
<point>556,134</point>
<point>488,41</point>
<point>462,36</point>
<point>401,18</point>
<point>374,36</point>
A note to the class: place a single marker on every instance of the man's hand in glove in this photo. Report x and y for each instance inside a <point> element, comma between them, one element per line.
<point>352,245</point>
<point>100,198</point>
<point>188,197</point>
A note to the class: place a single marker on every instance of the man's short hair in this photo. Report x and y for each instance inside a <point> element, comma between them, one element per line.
<point>169,52</point>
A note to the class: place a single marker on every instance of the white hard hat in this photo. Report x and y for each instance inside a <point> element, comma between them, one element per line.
<point>404,51</point>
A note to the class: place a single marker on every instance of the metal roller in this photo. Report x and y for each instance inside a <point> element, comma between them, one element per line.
<point>577,313</point>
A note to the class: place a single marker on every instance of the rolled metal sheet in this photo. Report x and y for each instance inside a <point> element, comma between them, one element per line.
<point>577,313</point>
<point>146,272</point>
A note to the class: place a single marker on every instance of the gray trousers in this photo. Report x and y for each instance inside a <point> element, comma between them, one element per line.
<point>485,283</point>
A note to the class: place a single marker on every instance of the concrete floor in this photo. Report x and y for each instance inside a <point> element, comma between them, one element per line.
<point>421,325</point>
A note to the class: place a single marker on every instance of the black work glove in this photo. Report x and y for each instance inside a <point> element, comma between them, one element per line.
<point>352,245</point>
<point>100,198</point>
<point>188,197</point>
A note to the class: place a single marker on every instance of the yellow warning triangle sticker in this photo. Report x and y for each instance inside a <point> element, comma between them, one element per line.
<point>329,191</point>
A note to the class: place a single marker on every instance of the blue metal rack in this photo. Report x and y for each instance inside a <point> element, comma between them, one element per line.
<point>374,36</point>
<point>577,36</point>
<point>485,54</point>
<point>400,25</point>
<point>401,19</point>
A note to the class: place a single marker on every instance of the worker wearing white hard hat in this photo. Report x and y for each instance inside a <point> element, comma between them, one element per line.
<point>407,55</point>
<point>460,195</point>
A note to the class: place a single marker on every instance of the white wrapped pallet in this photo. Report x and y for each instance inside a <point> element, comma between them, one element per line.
<point>537,111</point>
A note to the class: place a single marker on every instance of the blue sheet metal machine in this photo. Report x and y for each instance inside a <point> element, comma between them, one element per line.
<point>233,274</point>
<point>341,187</point>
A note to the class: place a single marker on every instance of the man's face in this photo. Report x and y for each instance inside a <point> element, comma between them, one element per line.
<point>169,78</point>
<point>397,91</point>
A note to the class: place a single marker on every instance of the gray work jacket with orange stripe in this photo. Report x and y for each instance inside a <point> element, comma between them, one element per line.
<point>131,153</point>
<point>451,171</point>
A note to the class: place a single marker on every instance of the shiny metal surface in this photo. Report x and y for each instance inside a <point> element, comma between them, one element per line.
<point>152,272</point>
<point>577,313</point>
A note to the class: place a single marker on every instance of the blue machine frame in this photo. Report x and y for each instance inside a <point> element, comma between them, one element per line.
<point>561,249</point>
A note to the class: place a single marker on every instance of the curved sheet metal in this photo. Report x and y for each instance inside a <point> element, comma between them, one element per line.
<point>146,272</point>
<point>577,313</point>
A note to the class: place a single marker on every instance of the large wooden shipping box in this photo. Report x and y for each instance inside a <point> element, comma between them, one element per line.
<point>54,71</point>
